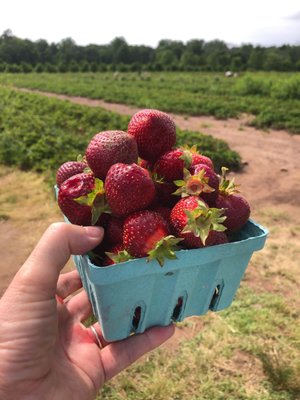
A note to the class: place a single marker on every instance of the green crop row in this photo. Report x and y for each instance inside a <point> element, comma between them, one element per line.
<point>40,133</point>
<point>273,98</point>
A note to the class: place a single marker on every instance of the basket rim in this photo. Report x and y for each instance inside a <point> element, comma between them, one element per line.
<point>185,258</point>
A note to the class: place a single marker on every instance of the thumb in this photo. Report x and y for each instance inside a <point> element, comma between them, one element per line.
<point>41,270</point>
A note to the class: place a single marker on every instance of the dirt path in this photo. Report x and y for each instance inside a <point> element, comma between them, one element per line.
<point>271,175</point>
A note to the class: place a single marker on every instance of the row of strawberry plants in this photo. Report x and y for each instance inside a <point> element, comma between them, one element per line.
<point>38,133</point>
<point>273,98</point>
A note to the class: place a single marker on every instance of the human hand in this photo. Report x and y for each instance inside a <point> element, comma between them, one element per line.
<point>45,350</point>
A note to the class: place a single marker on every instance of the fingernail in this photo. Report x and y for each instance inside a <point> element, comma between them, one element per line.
<point>94,231</point>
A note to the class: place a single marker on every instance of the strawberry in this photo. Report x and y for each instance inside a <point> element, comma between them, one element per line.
<point>81,199</point>
<point>216,237</point>
<point>146,234</point>
<point>237,208</point>
<point>163,211</point>
<point>146,164</point>
<point>68,169</point>
<point>108,148</point>
<point>114,230</point>
<point>165,193</point>
<point>192,220</point>
<point>202,182</point>
<point>128,188</point>
<point>198,158</point>
<point>154,131</point>
<point>170,165</point>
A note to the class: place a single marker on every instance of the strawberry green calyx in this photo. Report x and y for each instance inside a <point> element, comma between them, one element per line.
<point>96,200</point>
<point>119,257</point>
<point>203,219</point>
<point>193,185</point>
<point>165,248</point>
<point>187,155</point>
<point>227,186</point>
<point>156,178</point>
<point>81,158</point>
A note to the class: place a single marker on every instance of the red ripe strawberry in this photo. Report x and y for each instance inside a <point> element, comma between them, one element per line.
<point>146,234</point>
<point>163,211</point>
<point>170,165</point>
<point>165,193</point>
<point>128,188</point>
<point>108,148</point>
<point>201,159</point>
<point>114,230</point>
<point>154,131</point>
<point>68,169</point>
<point>194,221</point>
<point>146,164</point>
<point>237,208</point>
<point>216,237</point>
<point>81,199</point>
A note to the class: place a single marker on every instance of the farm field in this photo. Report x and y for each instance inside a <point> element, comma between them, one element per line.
<point>38,132</point>
<point>273,99</point>
<point>248,351</point>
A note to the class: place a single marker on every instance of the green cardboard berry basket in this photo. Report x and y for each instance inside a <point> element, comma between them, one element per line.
<point>132,296</point>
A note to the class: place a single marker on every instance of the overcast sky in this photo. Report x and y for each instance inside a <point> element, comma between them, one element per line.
<point>146,22</point>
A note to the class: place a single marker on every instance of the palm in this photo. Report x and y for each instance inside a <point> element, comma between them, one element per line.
<point>77,364</point>
<point>45,350</point>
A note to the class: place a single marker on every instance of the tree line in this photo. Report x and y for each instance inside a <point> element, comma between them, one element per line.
<point>24,55</point>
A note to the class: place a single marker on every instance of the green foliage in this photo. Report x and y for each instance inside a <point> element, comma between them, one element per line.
<point>40,133</point>
<point>169,55</point>
<point>253,86</point>
<point>273,98</point>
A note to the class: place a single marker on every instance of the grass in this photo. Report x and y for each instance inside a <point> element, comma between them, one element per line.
<point>27,208</point>
<point>272,98</point>
<point>249,351</point>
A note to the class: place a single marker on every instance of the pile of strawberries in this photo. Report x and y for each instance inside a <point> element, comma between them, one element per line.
<point>151,197</point>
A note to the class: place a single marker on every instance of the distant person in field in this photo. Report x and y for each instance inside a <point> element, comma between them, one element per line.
<point>45,350</point>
